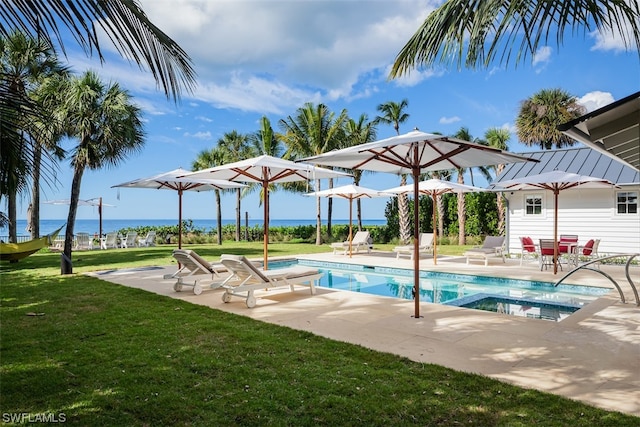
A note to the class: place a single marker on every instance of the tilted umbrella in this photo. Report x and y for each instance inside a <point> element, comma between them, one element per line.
<point>434,188</point>
<point>96,201</point>
<point>172,181</point>
<point>555,181</point>
<point>350,192</point>
<point>415,153</point>
<point>266,170</point>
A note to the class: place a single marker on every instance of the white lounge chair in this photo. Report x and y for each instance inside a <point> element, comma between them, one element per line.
<point>492,247</point>
<point>246,278</point>
<point>192,264</point>
<point>130,240</point>
<point>84,241</point>
<point>425,245</point>
<point>148,240</point>
<point>360,240</point>
<point>109,241</point>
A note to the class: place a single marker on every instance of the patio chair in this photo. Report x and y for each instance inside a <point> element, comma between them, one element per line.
<point>589,251</point>
<point>567,247</point>
<point>529,249</point>
<point>192,264</point>
<point>491,247</point>
<point>547,248</point>
<point>109,241</point>
<point>130,240</point>
<point>360,240</point>
<point>425,245</point>
<point>246,278</point>
<point>84,241</point>
<point>148,240</point>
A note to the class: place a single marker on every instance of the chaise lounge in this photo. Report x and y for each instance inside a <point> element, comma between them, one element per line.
<point>192,264</point>
<point>425,245</point>
<point>360,240</point>
<point>246,278</point>
<point>491,247</point>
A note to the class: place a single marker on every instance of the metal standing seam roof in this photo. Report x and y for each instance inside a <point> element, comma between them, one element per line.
<point>582,161</point>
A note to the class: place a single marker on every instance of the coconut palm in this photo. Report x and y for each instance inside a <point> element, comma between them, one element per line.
<point>475,34</point>
<point>24,64</point>
<point>314,130</point>
<point>107,125</point>
<point>123,21</point>
<point>393,113</point>
<point>539,117</point>
<point>208,159</point>
<point>235,147</point>
<point>498,138</point>
<point>356,133</point>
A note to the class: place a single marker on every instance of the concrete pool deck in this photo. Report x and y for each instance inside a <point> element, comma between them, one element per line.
<point>592,356</point>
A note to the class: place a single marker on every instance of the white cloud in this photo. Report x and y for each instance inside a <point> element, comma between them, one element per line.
<point>204,119</point>
<point>594,100</point>
<point>199,135</point>
<point>542,56</point>
<point>449,120</point>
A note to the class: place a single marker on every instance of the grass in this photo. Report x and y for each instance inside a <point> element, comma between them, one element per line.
<point>105,355</point>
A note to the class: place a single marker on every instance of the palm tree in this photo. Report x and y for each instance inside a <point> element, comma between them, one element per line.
<point>235,147</point>
<point>393,113</point>
<point>24,64</point>
<point>475,33</point>
<point>498,138</point>
<point>357,133</point>
<point>540,115</point>
<point>464,134</point>
<point>123,21</point>
<point>108,127</point>
<point>208,159</point>
<point>314,130</point>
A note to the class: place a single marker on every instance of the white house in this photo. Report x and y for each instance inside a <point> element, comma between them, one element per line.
<point>611,215</point>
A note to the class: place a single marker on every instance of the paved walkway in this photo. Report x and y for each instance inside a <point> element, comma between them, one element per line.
<point>592,356</point>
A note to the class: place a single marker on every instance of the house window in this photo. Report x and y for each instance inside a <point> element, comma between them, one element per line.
<point>533,205</point>
<point>627,202</point>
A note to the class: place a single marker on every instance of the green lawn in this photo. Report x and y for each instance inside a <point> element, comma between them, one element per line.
<point>108,355</point>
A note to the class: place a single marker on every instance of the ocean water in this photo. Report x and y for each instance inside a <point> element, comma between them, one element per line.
<point>92,226</point>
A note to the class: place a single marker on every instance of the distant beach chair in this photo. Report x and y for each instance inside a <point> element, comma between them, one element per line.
<point>109,241</point>
<point>84,241</point>
<point>148,240</point>
<point>130,240</point>
<point>425,245</point>
<point>491,247</point>
<point>360,240</point>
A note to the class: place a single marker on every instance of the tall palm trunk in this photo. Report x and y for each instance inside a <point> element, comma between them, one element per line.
<point>502,214</point>
<point>66,266</point>
<point>440,206</point>
<point>219,215</point>
<point>403,214</point>
<point>239,214</point>
<point>13,216</point>
<point>35,192</point>
<point>462,214</point>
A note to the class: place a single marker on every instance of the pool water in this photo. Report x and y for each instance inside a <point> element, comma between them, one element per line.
<point>511,296</point>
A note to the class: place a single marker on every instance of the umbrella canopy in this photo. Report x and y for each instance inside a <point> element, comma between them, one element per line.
<point>434,188</point>
<point>266,170</point>
<point>96,201</point>
<point>350,192</point>
<point>173,180</point>
<point>414,153</point>
<point>555,181</point>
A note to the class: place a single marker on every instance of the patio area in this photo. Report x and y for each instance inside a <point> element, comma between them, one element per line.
<point>592,356</point>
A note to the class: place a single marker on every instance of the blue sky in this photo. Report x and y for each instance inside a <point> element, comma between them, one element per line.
<point>256,58</point>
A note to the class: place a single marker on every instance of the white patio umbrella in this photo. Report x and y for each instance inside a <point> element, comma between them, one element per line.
<point>434,188</point>
<point>350,192</point>
<point>266,170</point>
<point>554,181</point>
<point>96,201</point>
<point>415,153</point>
<point>172,181</point>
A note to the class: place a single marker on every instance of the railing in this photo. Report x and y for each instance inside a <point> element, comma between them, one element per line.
<point>587,266</point>
<point>21,239</point>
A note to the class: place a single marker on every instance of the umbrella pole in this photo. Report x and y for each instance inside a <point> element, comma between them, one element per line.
<point>555,232</point>
<point>265,249</point>
<point>179,219</point>
<point>416,236</point>
<point>350,226</point>
<point>100,215</point>
<point>435,233</point>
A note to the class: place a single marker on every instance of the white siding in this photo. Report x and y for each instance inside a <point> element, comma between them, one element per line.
<point>589,213</point>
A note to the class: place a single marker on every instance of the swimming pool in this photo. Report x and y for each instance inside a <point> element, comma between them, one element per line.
<point>511,296</point>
